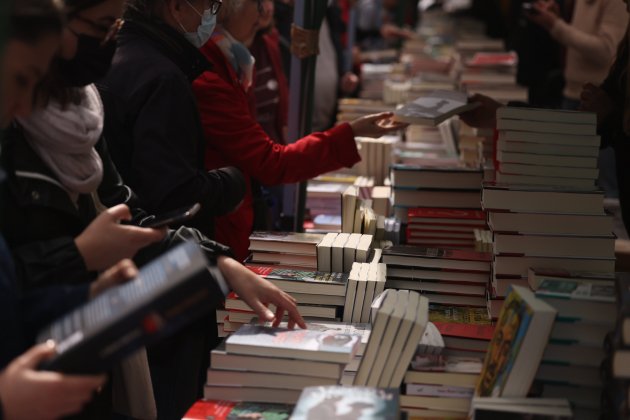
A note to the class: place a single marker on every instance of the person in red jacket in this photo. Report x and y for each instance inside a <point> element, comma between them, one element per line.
<point>234,137</point>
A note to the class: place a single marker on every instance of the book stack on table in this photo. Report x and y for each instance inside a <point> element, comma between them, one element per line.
<point>444,228</point>
<point>272,365</point>
<point>446,276</point>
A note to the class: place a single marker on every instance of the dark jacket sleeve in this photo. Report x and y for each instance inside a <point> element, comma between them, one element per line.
<point>611,125</point>
<point>167,155</point>
<point>112,190</point>
<point>49,262</point>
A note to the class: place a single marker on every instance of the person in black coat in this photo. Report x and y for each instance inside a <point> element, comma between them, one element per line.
<point>153,127</point>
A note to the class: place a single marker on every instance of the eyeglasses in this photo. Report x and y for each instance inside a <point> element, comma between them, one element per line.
<point>107,32</point>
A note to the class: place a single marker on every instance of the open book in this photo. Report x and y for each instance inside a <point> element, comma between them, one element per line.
<point>168,293</point>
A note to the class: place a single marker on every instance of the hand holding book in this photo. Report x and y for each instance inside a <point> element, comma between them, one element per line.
<point>258,293</point>
<point>376,125</point>
<point>483,116</point>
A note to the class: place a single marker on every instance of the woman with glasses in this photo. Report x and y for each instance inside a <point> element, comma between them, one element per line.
<point>152,125</point>
<point>234,137</point>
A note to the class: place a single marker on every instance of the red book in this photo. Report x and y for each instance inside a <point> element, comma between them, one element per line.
<point>473,331</point>
<point>228,410</point>
<point>447,217</point>
<point>493,59</point>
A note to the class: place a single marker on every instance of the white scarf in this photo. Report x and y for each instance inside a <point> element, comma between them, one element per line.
<point>64,138</point>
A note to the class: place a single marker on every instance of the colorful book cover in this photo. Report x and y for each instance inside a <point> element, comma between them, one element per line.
<point>347,403</point>
<point>459,315</point>
<point>228,410</point>
<point>298,275</point>
<point>596,291</point>
<point>509,333</point>
<point>447,364</point>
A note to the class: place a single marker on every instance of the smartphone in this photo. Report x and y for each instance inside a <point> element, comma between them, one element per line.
<point>174,217</point>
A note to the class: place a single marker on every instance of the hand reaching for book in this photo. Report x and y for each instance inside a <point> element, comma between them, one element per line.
<point>106,241</point>
<point>376,125</point>
<point>485,115</point>
<point>122,272</point>
<point>30,394</point>
<point>258,293</point>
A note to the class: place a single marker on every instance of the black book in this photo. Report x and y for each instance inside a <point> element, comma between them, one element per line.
<point>169,292</point>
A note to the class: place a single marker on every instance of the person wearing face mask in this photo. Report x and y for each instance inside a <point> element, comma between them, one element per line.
<point>55,197</point>
<point>234,137</point>
<point>151,122</point>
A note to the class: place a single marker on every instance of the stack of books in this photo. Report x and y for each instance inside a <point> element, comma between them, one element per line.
<point>438,386</point>
<point>358,216</point>
<point>547,147</point>
<point>365,282</point>
<point>466,331</point>
<point>455,187</point>
<point>539,408</point>
<point>445,228</point>
<point>447,276</point>
<point>615,372</point>
<point>272,365</point>
<point>336,252</point>
<point>571,362</point>
<point>284,249</point>
<point>549,227</point>
<point>376,156</point>
<point>399,320</point>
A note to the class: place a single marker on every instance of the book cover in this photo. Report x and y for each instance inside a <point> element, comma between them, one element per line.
<point>440,213</point>
<point>300,276</point>
<point>436,253</point>
<point>297,343</point>
<point>434,107</point>
<point>460,315</point>
<point>290,237</point>
<point>596,291</point>
<point>475,332</point>
<point>516,348</point>
<point>228,410</point>
<point>338,402</point>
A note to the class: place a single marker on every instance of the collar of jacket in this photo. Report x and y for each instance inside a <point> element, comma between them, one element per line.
<point>170,42</point>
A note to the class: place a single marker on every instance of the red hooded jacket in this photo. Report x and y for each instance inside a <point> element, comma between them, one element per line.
<point>233,137</point>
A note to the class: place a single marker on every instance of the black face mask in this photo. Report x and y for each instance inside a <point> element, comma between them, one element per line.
<point>91,62</point>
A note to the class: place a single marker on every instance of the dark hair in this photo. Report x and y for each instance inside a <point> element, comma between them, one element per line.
<point>30,20</point>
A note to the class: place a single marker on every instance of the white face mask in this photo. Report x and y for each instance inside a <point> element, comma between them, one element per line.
<point>204,30</point>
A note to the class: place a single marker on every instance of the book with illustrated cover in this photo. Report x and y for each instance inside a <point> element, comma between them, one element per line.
<point>228,410</point>
<point>338,402</point>
<point>449,217</point>
<point>517,346</point>
<point>434,108</point>
<point>578,289</point>
<point>297,281</point>
<point>293,344</point>
<point>447,364</point>
<point>290,242</point>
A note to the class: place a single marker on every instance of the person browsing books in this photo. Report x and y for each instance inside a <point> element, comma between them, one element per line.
<point>48,218</point>
<point>234,137</point>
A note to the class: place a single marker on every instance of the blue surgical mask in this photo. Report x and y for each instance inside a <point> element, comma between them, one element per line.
<point>204,30</point>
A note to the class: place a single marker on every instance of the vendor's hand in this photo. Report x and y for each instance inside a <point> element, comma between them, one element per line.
<point>393,32</point>
<point>485,115</point>
<point>376,125</point>
<point>349,82</point>
<point>545,14</point>
<point>106,241</point>
<point>122,272</point>
<point>595,99</point>
<point>258,293</point>
<point>27,393</point>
